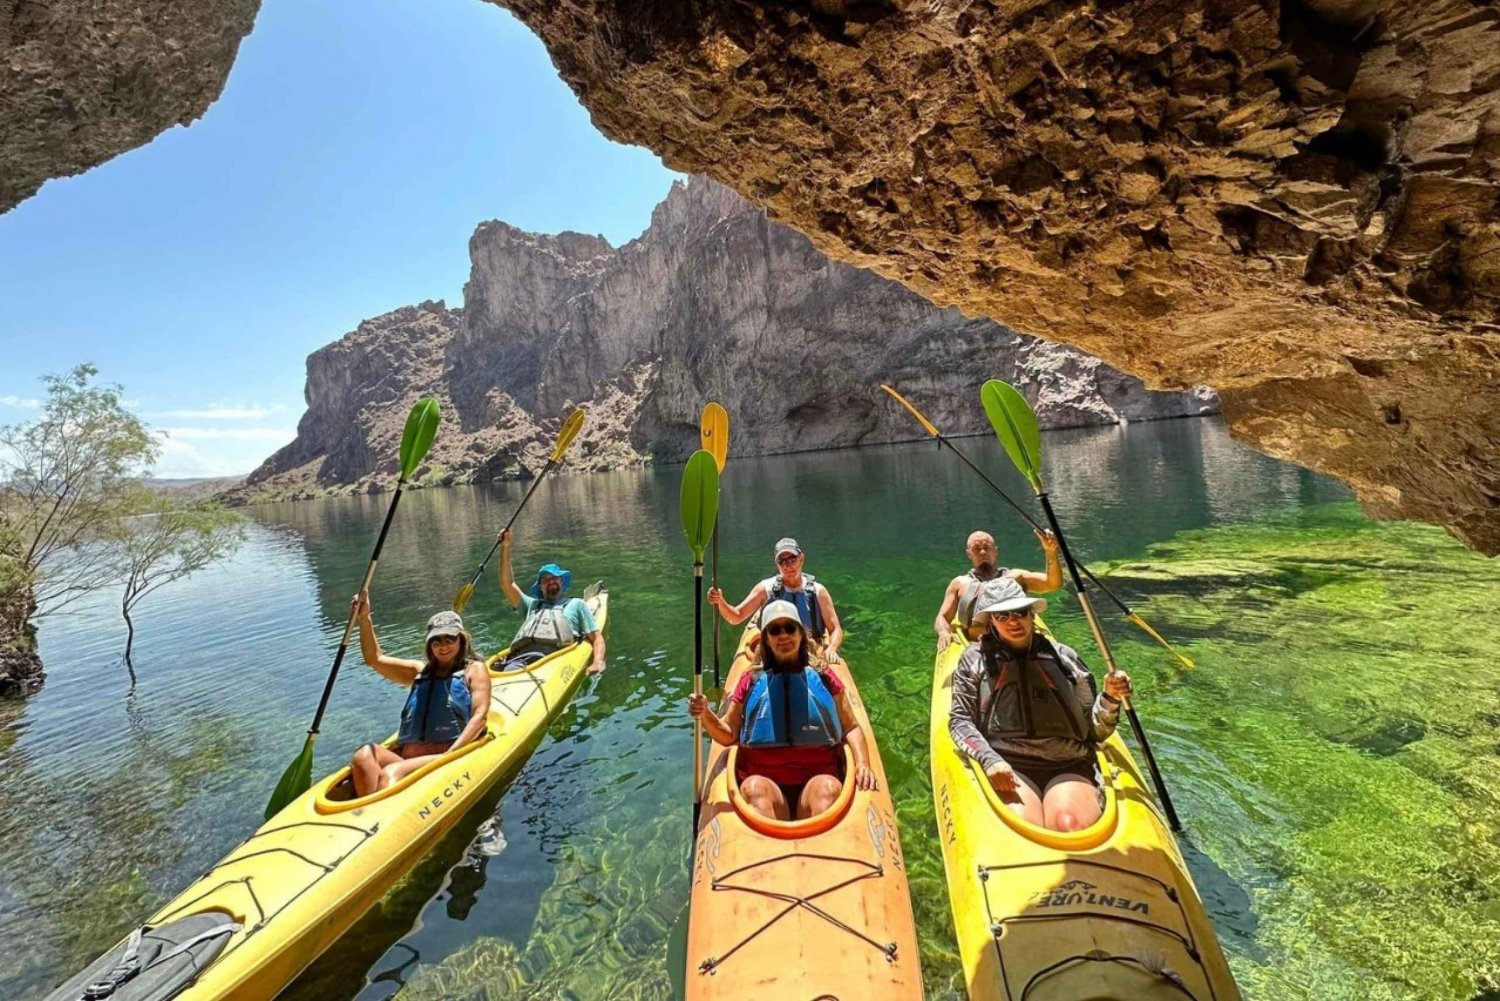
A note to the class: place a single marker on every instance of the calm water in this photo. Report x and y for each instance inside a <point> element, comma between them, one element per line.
<point>1333,755</point>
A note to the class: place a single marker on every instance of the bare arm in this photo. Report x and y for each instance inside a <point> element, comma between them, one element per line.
<point>724,730</point>
<point>943,624</point>
<point>507,578</point>
<point>1052,580</point>
<point>854,736</point>
<point>735,614</point>
<point>402,672</point>
<point>478,677</point>
<point>831,622</point>
<point>597,638</point>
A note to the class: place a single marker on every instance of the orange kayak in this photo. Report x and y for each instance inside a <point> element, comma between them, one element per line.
<point>801,909</point>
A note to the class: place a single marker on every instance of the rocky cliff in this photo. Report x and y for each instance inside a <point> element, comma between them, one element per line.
<point>713,301</point>
<point>1294,201</point>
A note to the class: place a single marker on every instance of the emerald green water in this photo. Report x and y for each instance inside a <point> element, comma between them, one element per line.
<point>1334,754</point>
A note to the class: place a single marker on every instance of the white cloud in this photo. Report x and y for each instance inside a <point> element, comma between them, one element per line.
<point>24,404</point>
<point>193,452</point>
<point>278,435</point>
<point>219,413</point>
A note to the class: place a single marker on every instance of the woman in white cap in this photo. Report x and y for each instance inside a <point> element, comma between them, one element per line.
<point>813,602</point>
<point>789,720</point>
<point>445,687</point>
<point>1026,709</point>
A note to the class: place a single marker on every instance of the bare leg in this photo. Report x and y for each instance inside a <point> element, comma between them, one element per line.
<point>818,795</point>
<point>1071,802</point>
<point>765,796</point>
<point>367,765</point>
<point>1026,800</point>
<point>399,769</point>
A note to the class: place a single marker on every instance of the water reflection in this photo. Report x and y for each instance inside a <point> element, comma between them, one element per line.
<point>112,805</point>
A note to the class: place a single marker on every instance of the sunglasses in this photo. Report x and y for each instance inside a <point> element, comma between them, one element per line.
<point>782,629</point>
<point>786,558</point>
<point>443,640</point>
<point>1018,613</point>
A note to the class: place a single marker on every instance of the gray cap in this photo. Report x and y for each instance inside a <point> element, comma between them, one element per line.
<point>444,624</point>
<point>787,545</point>
<point>1004,594</point>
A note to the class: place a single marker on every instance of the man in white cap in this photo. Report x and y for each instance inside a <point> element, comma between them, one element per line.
<point>812,600</point>
<point>963,590</point>
<point>1025,708</point>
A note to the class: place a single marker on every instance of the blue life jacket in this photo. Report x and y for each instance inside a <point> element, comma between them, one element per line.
<point>806,600</point>
<point>790,710</point>
<point>437,710</point>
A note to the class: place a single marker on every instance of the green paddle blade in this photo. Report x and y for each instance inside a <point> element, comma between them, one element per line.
<point>1015,425</point>
<point>295,781</point>
<point>699,502</point>
<point>713,433</point>
<point>421,426</point>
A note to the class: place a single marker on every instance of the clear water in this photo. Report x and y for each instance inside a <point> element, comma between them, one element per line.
<point>1334,755</point>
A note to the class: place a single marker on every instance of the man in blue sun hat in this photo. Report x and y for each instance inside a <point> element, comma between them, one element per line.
<point>552,621</point>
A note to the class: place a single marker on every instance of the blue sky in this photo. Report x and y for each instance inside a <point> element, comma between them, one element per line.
<point>356,146</point>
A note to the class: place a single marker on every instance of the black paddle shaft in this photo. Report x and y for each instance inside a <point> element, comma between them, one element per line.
<point>338,658</point>
<point>1135,722</point>
<point>718,684</point>
<point>697,690</point>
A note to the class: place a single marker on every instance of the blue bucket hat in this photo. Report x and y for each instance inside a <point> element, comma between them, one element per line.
<point>551,570</point>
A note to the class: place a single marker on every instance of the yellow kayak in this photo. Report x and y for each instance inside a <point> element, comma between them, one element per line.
<point>803,909</point>
<point>265,911</point>
<point>1108,913</point>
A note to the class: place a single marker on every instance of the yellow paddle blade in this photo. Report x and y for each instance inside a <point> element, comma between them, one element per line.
<point>1186,662</point>
<point>713,433</point>
<point>931,429</point>
<point>569,431</point>
<point>461,599</point>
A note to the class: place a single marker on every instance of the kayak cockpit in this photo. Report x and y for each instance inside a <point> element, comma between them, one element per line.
<point>335,794</point>
<point>1092,836</point>
<point>802,827</point>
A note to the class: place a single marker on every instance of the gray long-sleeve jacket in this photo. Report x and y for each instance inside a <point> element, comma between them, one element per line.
<point>1042,707</point>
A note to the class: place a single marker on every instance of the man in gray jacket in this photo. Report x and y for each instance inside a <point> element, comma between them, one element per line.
<point>1025,708</point>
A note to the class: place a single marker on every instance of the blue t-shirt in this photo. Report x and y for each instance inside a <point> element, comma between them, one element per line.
<point>580,618</point>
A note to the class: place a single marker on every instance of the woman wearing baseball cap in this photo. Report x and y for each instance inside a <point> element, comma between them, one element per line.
<point>444,687</point>
<point>789,720</point>
<point>1026,709</point>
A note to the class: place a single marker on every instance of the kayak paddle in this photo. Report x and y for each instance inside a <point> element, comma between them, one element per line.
<point>1015,425</point>
<point>421,425</point>
<point>699,504</point>
<point>713,436</point>
<point>564,439</point>
<point>1134,617</point>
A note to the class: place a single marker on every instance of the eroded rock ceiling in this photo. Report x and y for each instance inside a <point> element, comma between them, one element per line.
<point>1295,203</point>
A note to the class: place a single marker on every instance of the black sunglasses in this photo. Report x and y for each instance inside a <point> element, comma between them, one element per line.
<point>778,629</point>
<point>785,558</point>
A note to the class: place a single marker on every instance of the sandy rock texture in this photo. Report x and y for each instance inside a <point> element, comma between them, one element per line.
<point>1293,202</point>
<point>713,301</point>
<point>82,81</point>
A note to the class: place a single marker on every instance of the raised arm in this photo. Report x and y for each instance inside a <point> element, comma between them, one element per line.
<point>402,672</point>
<point>1052,580</point>
<point>735,614</point>
<point>507,578</point>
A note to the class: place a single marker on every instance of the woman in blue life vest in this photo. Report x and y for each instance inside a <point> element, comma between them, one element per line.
<point>813,602</point>
<point>444,689</point>
<point>790,721</point>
